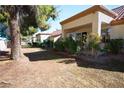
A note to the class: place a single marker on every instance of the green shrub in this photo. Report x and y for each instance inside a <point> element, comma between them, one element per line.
<point>115,45</point>
<point>36,44</point>
<point>93,43</point>
<point>47,44</point>
<point>59,45</point>
<point>70,45</point>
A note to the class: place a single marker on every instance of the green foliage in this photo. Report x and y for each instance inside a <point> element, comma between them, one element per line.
<point>44,14</point>
<point>30,31</point>
<point>115,46</point>
<point>93,41</point>
<point>3,17</point>
<point>59,45</point>
<point>36,44</point>
<point>70,45</point>
<point>47,44</point>
<point>29,15</point>
<point>44,44</point>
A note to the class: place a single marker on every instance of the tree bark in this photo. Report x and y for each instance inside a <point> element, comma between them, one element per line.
<point>16,53</point>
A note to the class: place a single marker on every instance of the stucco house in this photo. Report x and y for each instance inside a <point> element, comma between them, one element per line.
<point>40,36</point>
<point>97,19</point>
<point>55,35</point>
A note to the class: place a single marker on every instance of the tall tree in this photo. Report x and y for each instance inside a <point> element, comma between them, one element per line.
<point>17,16</point>
<point>44,14</point>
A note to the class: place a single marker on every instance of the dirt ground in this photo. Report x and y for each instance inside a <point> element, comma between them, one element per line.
<point>47,69</point>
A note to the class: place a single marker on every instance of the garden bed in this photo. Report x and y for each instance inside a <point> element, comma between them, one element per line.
<point>108,62</point>
<point>65,54</point>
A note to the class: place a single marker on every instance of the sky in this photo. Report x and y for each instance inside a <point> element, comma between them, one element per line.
<point>66,11</point>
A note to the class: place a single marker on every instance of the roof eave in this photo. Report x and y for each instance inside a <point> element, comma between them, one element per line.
<point>88,11</point>
<point>117,22</point>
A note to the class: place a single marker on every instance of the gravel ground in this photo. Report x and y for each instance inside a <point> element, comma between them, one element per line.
<point>47,69</point>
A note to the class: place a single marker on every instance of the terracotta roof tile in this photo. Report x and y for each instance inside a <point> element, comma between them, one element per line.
<point>120,12</point>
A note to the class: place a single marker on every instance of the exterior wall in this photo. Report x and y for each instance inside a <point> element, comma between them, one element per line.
<point>105,18</point>
<point>55,38</point>
<point>34,39</point>
<point>96,19</point>
<point>117,31</point>
<point>43,37</point>
<point>88,30</point>
<point>81,21</point>
<point>40,38</point>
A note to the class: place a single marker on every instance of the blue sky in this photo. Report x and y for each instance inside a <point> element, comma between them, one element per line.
<point>67,11</point>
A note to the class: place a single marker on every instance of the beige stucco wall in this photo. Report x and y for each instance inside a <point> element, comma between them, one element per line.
<point>96,19</point>
<point>41,38</point>
<point>80,21</point>
<point>54,38</point>
<point>105,18</point>
<point>117,31</point>
<point>88,30</point>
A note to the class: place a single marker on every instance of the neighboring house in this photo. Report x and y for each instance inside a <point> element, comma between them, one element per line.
<point>55,35</point>
<point>95,19</point>
<point>40,36</point>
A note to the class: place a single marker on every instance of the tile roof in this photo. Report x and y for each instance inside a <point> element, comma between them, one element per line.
<point>56,33</point>
<point>120,12</point>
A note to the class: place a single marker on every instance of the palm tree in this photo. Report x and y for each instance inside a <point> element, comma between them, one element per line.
<point>15,20</point>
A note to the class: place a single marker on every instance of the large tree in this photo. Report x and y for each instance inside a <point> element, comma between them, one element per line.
<point>18,16</point>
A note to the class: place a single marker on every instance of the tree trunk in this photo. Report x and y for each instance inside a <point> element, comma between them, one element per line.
<point>15,38</point>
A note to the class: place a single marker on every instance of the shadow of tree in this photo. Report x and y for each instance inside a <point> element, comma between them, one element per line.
<point>4,55</point>
<point>67,61</point>
<point>42,55</point>
<point>110,66</point>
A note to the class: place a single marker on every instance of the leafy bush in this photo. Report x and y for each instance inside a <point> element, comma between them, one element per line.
<point>37,44</point>
<point>115,45</point>
<point>48,44</point>
<point>59,45</point>
<point>93,42</point>
<point>70,45</point>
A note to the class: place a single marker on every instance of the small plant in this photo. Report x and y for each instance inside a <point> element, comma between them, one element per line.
<point>59,45</point>
<point>67,44</point>
<point>115,45</point>
<point>93,42</point>
<point>36,44</point>
<point>70,45</point>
